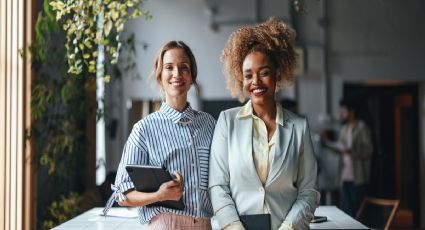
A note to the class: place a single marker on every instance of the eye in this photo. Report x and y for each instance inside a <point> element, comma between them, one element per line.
<point>247,76</point>
<point>184,68</point>
<point>264,73</point>
<point>168,67</point>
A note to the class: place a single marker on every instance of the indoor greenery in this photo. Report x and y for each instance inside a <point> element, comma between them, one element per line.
<point>61,107</point>
<point>81,20</point>
<point>64,96</point>
<point>59,104</point>
<point>62,210</point>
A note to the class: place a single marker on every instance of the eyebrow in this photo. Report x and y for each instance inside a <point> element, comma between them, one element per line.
<point>261,68</point>
<point>170,63</point>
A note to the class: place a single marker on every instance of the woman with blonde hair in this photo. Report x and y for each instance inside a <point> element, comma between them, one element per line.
<point>176,137</point>
<point>262,159</point>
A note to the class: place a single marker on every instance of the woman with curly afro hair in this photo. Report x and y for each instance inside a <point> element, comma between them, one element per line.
<point>262,159</point>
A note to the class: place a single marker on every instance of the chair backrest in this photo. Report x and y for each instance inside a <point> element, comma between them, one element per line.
<point>377,213</point>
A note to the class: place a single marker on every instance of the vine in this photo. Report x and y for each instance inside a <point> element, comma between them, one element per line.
<point>60,108</point>
<point>81,20</point>
<point>64,95</point>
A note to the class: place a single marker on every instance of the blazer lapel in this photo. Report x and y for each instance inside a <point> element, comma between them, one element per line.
<point>243,143</point>
<point>283,140</point>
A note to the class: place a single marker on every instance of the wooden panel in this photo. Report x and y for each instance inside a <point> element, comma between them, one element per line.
<point>30,195</point>
<point>8,112</point>
<point>402,101</point>
<point>2,113</point>
<point>19,111</point>
<point>14,129</point>
<point>14,100</point>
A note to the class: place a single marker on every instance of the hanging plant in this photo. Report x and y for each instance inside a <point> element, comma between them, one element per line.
<point>81,20</point>
<point>60,108</point>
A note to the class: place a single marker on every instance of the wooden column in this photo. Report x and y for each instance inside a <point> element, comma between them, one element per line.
<point>16,185</point>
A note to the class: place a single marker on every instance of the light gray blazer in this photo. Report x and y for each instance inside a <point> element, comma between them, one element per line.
<point>235,187</point>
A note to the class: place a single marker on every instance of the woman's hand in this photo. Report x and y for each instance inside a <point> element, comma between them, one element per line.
<point>171,190</point>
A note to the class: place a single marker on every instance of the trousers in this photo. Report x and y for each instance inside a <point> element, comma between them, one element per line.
<point>170,221</point>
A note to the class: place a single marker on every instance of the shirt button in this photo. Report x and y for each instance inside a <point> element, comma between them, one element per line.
<point>261,189</point>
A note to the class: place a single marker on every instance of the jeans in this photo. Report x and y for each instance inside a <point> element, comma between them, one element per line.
<point>351,197</point>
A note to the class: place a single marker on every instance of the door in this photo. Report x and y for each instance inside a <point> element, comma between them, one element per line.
<point>392,113</point>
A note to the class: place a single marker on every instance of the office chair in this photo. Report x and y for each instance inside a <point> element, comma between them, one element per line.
<point>377,213</point>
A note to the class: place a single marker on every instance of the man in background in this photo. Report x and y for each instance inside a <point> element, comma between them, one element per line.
<point>354,147</point>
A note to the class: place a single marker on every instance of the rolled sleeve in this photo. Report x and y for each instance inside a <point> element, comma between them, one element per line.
<point>134,153</point>
<point>120,190</point>
<point>286,225</point>
<point>237,225</point>
<point>117,196</point>
<point>224,206</point>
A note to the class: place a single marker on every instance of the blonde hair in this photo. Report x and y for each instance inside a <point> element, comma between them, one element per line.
<point>273,38</point>
<point>158,63</point>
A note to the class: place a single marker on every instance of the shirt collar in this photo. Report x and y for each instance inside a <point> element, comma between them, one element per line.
<point>176,116</point>
<point>246,111</point>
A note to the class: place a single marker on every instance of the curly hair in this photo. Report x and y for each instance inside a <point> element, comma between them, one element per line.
<point>273,38</point>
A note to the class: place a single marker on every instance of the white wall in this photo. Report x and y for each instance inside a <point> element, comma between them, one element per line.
<point>375,41</point>
<point>378,39</point>
<point>188,21</point>
<point>368,41</point>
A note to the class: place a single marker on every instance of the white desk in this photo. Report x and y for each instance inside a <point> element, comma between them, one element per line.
<point>337,219</point>
<point>91,219</point>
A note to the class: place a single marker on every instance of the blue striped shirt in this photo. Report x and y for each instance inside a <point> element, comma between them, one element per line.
<point>180,141</point>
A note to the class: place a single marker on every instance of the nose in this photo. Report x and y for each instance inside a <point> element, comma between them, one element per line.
<point>255,79</point>
<point>176,72</point>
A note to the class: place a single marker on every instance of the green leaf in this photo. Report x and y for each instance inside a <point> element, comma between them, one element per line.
<point>104,42</point>
<point>136,13</point>
<point>107,78</point>
<point>108,27</point>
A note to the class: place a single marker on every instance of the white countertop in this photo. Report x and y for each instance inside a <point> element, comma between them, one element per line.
<point>92,219</point>
<point>337,219</point>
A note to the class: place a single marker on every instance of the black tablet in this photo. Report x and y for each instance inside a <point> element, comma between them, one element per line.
<point>148,178</point>
<point>256,221</point>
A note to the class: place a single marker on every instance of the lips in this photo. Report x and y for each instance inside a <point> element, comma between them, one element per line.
<point>176,83</point>
<point>259,91</point>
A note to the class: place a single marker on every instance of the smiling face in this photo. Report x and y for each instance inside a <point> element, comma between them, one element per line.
<point>176,76</point>
<point>259,78</point>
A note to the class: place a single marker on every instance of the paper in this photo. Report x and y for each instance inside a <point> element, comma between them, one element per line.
<point>120,212</point>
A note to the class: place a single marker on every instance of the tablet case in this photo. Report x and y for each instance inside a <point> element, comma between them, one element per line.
<point>256,222</point>
<point>148,178</point>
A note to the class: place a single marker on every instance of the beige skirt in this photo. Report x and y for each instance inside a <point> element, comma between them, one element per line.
<point>170,221</point>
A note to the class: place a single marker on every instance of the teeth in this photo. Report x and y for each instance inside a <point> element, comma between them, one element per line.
<point>176,83</point>
<point>258,90</point>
